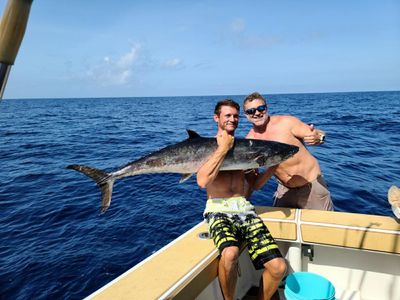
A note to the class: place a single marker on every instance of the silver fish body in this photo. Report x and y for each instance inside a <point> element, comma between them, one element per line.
<point>188,156</point>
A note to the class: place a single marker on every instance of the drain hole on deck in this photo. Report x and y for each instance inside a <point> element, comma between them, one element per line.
<point>204,235</point>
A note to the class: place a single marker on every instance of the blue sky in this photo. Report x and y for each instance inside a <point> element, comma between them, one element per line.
<point>97,48</point>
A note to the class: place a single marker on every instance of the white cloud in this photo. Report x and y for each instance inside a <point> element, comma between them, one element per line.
<point>258,41</point>
<point>173,63</point>
<point>116,71</point>
<point>238,25</point>
<point>127,60</point>
<point>244,37</point>
<point>120,70</point>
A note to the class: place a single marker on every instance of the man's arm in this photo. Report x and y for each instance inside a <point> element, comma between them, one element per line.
<point>209,170</point>
<point>316,138</point>
<point>308,133</point>
<point>258,179</point>
<point>262,178</point>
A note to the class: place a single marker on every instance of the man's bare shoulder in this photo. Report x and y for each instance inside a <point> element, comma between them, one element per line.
<point>250,134</point>
<point>283,119</point>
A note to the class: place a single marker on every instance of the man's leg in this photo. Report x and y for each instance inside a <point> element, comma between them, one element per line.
<point>274,271</point>
<point>228,270</point>
<point>319,197</point>
<point>285,197</point>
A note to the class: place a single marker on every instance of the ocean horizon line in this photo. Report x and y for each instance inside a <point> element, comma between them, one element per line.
<point>186,96</point>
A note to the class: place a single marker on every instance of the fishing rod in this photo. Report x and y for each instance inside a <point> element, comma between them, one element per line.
<point>12,30</point>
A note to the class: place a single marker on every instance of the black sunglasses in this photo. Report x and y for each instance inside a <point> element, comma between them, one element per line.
<point>252,111</point>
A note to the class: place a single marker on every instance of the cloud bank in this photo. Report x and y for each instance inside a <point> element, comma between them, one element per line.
<point>118,71</point>
<point>114,71</point>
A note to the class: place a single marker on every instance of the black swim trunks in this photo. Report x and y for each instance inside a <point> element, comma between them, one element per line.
<point>228,229</point>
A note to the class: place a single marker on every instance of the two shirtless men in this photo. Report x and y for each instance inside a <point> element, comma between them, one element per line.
<point>230,216</point>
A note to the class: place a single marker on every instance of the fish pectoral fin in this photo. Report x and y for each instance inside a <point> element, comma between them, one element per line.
<point>260,160</point>
<point>185,177</point>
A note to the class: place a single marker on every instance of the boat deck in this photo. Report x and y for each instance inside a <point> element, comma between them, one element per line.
<point>186,266</point>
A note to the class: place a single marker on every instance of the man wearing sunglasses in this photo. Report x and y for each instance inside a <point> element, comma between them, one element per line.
<point>232,218</point>
<point>300,181</point>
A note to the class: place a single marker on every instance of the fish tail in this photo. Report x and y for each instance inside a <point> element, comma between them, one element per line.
<point>103,179</point>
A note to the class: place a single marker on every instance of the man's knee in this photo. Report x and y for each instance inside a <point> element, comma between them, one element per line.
<point>276,267</point>
<point>230,254</point>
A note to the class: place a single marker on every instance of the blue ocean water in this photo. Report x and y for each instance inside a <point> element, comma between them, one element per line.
<point>54,243</point>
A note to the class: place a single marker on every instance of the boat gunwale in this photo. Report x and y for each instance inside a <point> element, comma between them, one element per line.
<point>300,219</point>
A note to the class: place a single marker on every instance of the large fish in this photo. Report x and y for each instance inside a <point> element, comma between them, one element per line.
<point>186,158</point>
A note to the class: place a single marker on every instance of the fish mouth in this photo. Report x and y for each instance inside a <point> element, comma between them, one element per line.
<point>292,150</point>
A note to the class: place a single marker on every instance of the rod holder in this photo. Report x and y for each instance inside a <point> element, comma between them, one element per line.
<point>12,30</point>
<point>4,72</point>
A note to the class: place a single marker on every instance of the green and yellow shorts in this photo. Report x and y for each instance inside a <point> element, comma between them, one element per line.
<point>227,229</point>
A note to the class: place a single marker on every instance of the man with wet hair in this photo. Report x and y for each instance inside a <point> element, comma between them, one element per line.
<point>231,217</point>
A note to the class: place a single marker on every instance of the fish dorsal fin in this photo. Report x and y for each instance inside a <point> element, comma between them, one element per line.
<point>185,177</point>
<point>192,134</point>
